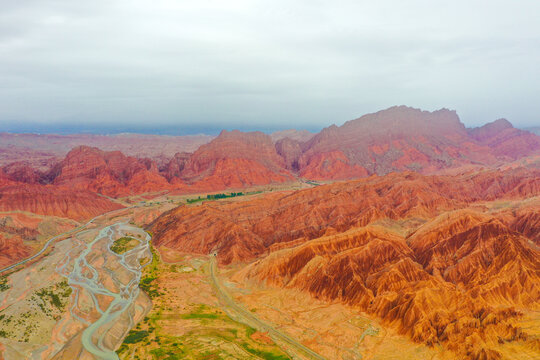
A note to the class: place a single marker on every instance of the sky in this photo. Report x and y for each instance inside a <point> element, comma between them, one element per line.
<point>166,66</point>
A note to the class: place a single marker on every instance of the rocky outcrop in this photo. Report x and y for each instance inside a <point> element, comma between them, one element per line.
<point>5,179</point>
<point>22,171</point>
<point>205,230</point>
<point>22,233</point>
<point>480,254</point>
<point>525,220</point>
<point>331,165</point>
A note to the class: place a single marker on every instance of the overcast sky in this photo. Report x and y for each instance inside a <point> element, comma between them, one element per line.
<point>188,66</point>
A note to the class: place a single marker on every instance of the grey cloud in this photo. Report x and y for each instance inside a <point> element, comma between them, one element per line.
<point>261,63</point>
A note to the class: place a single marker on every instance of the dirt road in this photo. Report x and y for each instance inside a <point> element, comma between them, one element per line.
<point>248,318</point>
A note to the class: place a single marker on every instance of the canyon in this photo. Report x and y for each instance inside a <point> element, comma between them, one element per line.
<point>402,232</point>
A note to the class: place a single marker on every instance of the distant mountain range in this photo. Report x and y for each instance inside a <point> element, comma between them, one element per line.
<point>392,140</point>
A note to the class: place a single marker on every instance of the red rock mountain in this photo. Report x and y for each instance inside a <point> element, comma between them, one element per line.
<point>396,139</point>
<point>461,294</point>
<point>235,160</point>
<point>448,260</point>
<point>290,150</point>
<point>173,169</point>
<point>505,141</point>
<point>525,220</point>
<point>21,233</point>
<point>109,173</point>
<point>5,179</point>
<point>232,160</point>
<point>402,138</point>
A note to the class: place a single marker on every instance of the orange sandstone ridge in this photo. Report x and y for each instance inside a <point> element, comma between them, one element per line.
<point>427,255</point>
<point>55,201</point>
<point>283,217</point>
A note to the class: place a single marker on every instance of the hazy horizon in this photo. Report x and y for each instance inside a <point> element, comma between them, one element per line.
<point>182,67</point>
<point>170,129</point>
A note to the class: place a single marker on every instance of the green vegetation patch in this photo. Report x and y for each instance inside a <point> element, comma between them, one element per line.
<point>204,312</point>
<point>209,333</point>
<point>4,283</point>
<point>221,196</point>
<point>311,182</point>
<point>54,296</point>
<point>213,335</point>
<point>124,244</point>
<point>136,336</point>
<point>24,324</point>
<point>148,282</point>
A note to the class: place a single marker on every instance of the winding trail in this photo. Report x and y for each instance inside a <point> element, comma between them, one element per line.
<point>252,320</point>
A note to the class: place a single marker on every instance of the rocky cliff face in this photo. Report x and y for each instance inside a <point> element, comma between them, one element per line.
<point>525,220</point>
<point>290,150</point>
<point>460,291</point>
<point>481,254</point>
<point>22,171</point>
<point>5,179</point>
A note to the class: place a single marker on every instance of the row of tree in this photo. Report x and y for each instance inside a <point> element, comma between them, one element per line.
<point>215,196</point>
